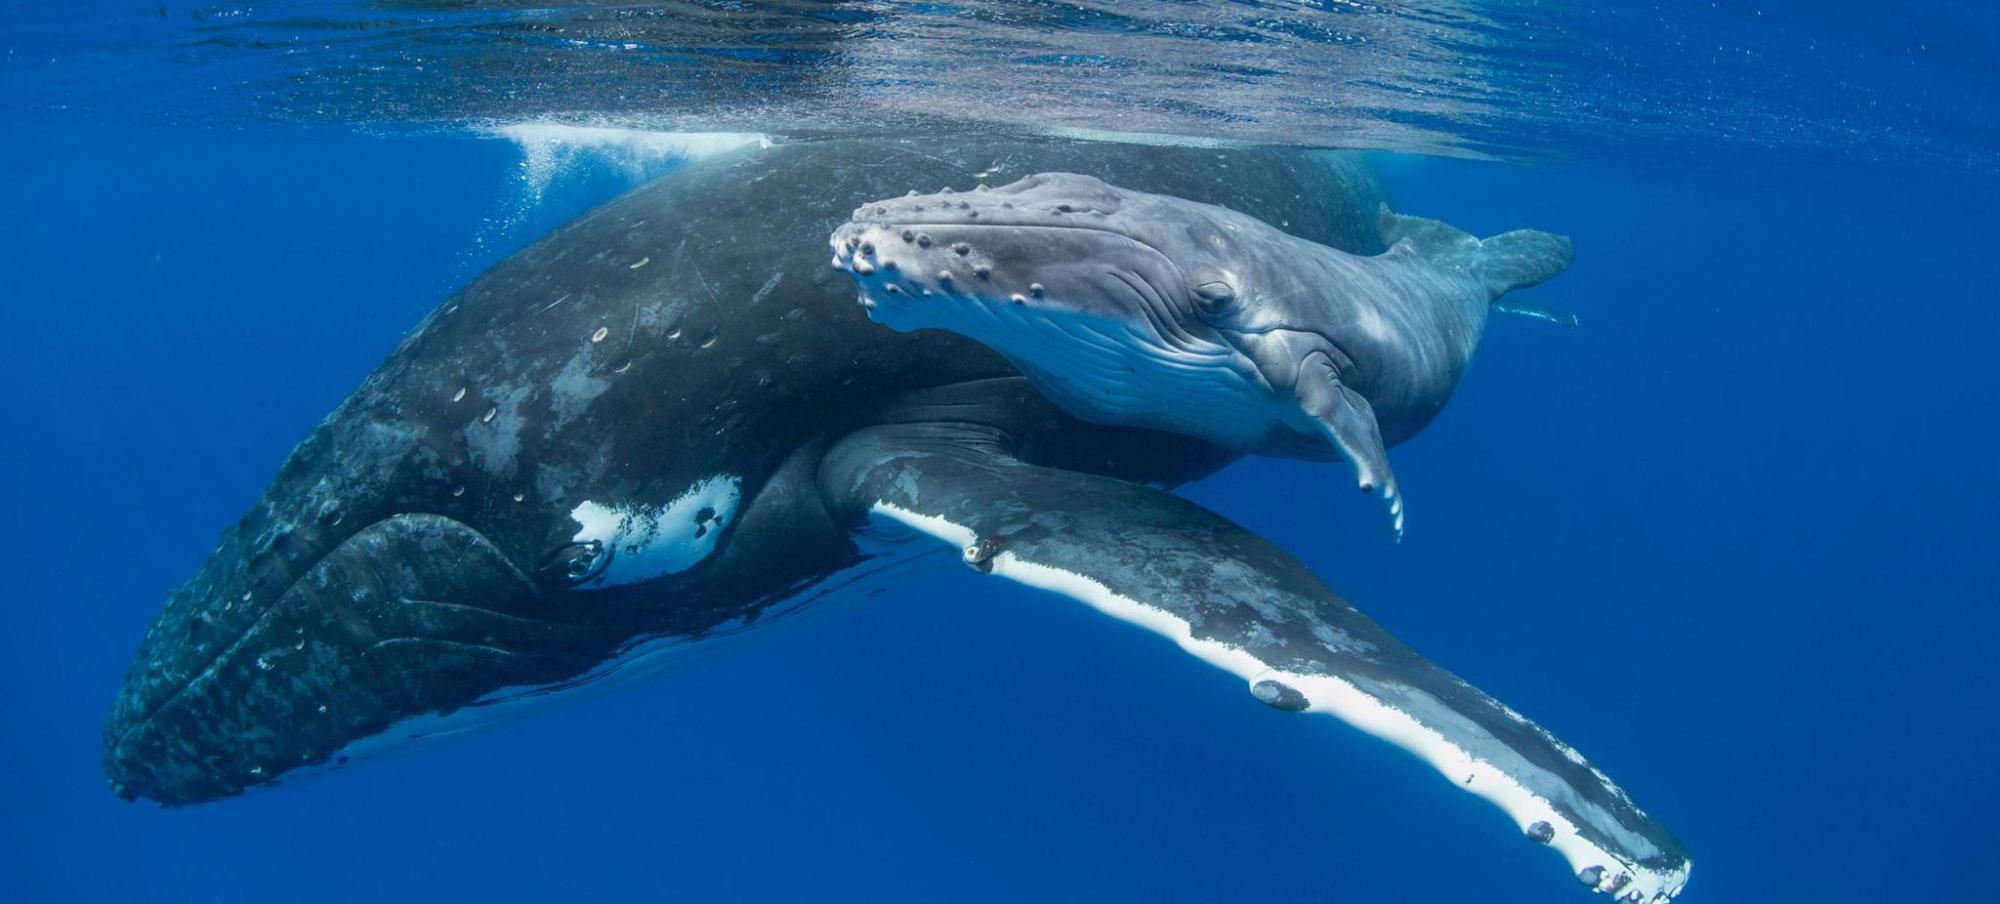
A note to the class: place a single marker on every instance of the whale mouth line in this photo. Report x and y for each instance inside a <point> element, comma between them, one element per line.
<point>1105,229</point>
<point>1143,277</point>
<point>847,256</point>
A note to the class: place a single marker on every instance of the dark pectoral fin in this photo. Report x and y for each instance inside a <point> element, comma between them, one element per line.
<point>1237,602</point>
<point>1349,422</point>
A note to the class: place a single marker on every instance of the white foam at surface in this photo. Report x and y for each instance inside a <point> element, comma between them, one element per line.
<point>549,149</point>
<point>1152,139</point>
<point>1333,696</point>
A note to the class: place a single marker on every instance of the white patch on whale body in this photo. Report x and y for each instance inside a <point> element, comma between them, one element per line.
<point>574,388</point>
<point>1342,700</point>
<point>1370,321</point>
<point>889,552</point>
<point>647,541</point>
<point>494,440</point>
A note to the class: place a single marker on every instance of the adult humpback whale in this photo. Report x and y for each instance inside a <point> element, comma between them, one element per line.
<point>667,422</point>
<point>1134,309</point>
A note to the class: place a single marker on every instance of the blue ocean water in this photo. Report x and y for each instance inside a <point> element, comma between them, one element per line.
<point>1732,537</point>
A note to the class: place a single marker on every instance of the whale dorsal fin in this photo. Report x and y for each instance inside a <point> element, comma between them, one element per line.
<point>1503,263</point>
<point>1425,237</point>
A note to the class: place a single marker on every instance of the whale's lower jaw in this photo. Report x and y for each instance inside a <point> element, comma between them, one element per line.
<point>1099,369</point>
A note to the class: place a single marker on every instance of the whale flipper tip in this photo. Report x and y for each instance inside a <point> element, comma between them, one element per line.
<point>1348,421</point>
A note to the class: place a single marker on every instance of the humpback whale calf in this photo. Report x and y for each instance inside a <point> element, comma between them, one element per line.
<point>667,423</point>
<point>1134,309</point>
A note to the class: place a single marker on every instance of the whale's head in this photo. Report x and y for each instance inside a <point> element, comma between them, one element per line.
<point>373,595</point>
<point>309,640</point>
<point>1126,308</point>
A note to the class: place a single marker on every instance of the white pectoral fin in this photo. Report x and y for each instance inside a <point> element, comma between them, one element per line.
<point>1234,601</point>
<point>1533,312</point>
<point>1349,422</point>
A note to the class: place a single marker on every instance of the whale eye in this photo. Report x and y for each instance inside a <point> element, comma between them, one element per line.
<point>572,564</point>
<point>1213,291</point>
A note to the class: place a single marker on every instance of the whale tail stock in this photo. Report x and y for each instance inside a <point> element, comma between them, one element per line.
<point>1503,263</point>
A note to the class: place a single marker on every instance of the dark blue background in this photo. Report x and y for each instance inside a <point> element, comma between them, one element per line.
<point>1733,539</point>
